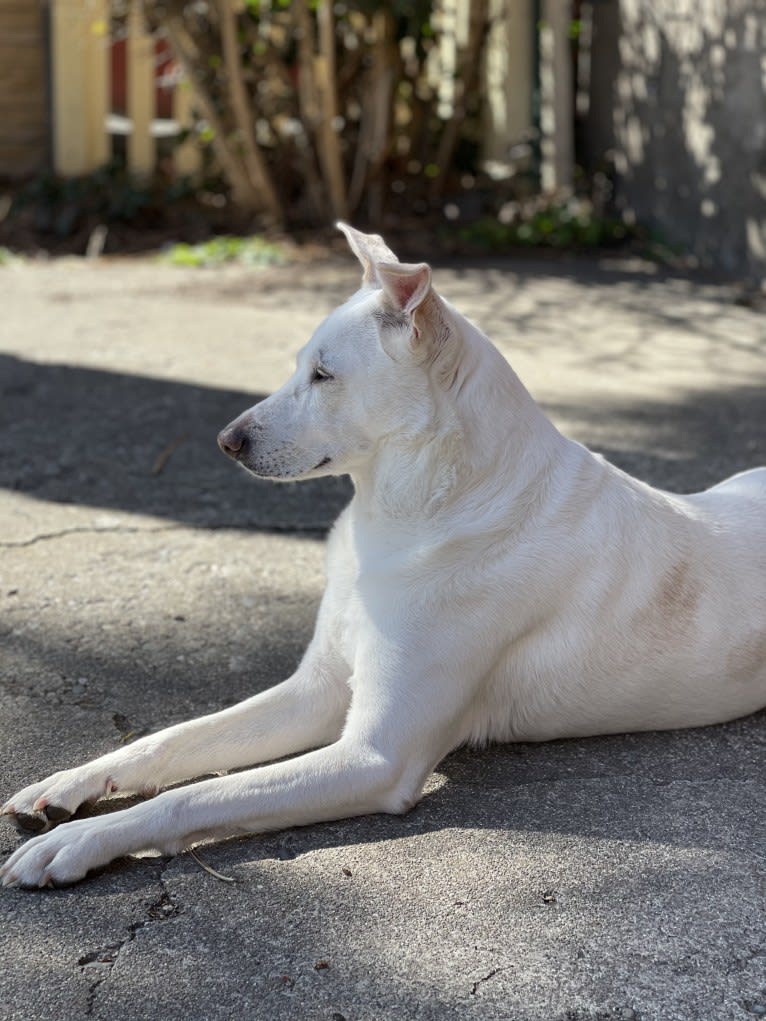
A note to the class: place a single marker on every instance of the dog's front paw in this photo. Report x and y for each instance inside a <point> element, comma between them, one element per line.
<point>57,858</point>
<point>42,805</point>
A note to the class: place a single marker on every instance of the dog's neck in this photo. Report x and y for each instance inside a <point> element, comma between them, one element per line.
<point>487,434</point>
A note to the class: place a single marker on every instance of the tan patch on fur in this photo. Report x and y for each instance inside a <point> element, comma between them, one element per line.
<point>673,605</point>
<point>678,595</point>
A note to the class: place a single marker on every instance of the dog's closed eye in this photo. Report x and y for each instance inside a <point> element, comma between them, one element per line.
<point>320,374</point>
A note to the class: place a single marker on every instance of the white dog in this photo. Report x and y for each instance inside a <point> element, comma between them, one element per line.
<point>491,580</point>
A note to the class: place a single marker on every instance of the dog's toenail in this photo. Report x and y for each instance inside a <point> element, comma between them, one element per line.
<point>56,813</point>
<point>25,821</point>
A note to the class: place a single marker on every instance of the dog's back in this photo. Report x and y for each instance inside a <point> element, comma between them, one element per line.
<point>743,494</point>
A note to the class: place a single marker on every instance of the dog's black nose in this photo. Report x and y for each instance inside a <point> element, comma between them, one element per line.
<point>233,441</point>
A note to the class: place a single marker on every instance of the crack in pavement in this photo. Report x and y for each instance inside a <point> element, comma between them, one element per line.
<point>489,975</point>
<point>86,530</point>
<point>101,961</point>
<point>311,531</point>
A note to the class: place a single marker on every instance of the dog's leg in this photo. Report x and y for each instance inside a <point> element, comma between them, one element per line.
<point>396,730</point>
<point>329,783</point>
<point>304,711</point>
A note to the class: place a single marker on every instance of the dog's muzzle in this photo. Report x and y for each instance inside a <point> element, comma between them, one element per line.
<point>233,441</point>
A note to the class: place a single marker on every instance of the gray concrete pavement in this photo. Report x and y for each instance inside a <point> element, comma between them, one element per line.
<point>144,580</point>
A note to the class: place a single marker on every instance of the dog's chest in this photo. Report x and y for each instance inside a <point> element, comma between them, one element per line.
<point>364,592</point>
<point>349,627</point>
<point>342,610</point>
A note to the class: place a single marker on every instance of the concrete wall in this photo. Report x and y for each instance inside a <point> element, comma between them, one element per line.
<point>23,99</point>
<point>678,92</point>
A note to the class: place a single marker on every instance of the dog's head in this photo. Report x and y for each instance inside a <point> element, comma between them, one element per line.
<point>370,370</point>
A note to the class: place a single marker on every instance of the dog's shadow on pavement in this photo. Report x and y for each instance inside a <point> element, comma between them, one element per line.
<point>686,788</point>
<point>133,443</point>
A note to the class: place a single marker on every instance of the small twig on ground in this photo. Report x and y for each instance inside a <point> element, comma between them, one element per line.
<point>164,456</point>
<point>208,868</point>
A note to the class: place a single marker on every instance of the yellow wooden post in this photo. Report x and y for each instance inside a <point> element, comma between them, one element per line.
<point>79,84</point>
<point>187,157</point>
<point>140,63</point>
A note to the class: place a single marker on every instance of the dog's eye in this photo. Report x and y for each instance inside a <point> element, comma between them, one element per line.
<point>320,374</point>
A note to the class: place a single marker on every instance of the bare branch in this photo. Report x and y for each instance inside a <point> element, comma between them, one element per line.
<point>470,69</point>
<point>233,169</point>
<point>329,139</point>
<point>375,130</point>
<point>257,172</point>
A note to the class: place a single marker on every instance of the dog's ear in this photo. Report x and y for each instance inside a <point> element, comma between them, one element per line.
<point>408,293</point>
<point>405,285</point>
<point>370,249</point>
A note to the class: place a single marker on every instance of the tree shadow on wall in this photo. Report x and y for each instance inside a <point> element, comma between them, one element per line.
<point>681,104</point>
